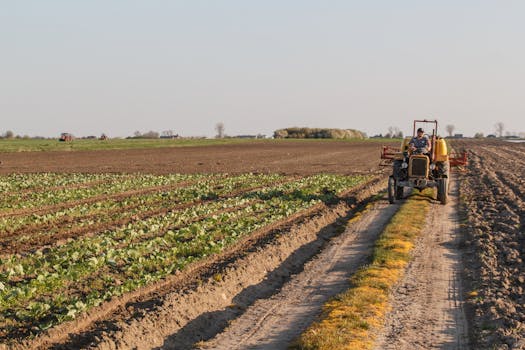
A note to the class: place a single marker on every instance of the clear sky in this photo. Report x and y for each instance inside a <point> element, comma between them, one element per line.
<point>117,66</point>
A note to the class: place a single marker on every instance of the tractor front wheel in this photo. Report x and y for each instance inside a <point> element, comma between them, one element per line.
<point>442,190</point>
<point>391,190</point>
<point>399,192</point>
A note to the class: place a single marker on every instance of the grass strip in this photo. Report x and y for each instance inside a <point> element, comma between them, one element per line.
<point>351,319</point>
<point>36,145</point>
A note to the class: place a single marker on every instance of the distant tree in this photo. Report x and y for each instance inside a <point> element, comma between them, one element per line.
<point>318,133</point>
<point>167,133</point>
<point>280,134</point>
<point>390,132</point>
<point>393,131</point>
<point>450,129</point>
<point>137,134</point>
<point>9,134</point>
<point>219,128</point>
<point>499,128</point>
<point>151,135</point>
<point>478,135</point>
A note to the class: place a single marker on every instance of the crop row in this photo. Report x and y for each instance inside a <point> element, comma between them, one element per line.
<point>45,287</point>
<point>42,181</point>
<point>84,216</point>
<point>112,185</point>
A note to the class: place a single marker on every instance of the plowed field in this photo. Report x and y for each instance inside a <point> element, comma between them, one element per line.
<point>493,194</point>
<point>288,157</point>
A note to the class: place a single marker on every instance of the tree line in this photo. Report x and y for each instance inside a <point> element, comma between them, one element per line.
<point>318,133</point>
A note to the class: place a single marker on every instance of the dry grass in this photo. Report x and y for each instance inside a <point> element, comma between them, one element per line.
<point>351,320</point>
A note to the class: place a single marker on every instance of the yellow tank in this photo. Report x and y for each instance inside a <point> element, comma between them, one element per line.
<point>441,147</point>
<point>404,144</point>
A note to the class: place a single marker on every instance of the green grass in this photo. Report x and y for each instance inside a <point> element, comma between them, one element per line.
<point>33,145</point>
<point>30,145</point>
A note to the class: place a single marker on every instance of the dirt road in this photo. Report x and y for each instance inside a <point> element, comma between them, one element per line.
<point>427,306</point>
<point>274,322</point>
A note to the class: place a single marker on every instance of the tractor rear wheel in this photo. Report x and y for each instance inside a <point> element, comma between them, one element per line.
<point>442,190</point>
<point>391,189</point>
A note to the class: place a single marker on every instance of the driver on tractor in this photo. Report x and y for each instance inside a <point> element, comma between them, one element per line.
<point>420,144</point>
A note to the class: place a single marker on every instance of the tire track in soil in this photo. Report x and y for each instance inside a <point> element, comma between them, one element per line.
<point>427,305</point>
<point>274,322</point>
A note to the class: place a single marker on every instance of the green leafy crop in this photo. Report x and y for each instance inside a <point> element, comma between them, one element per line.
<point>127,231</point>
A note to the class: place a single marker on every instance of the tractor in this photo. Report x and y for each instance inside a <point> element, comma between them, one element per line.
<point>413,168</point>
<point>65,137</point>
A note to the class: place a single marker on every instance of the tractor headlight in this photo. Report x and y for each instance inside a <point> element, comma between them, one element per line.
<point>432,166</point>
<point>404,165</point>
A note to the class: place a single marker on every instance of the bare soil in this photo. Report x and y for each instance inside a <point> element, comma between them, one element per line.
<point>428,304</point>
<point>274,322</point>
<point>493,209</point>
<point>292,157</point>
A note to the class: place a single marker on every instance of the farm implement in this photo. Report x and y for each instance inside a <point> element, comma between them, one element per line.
<point>420,168</point>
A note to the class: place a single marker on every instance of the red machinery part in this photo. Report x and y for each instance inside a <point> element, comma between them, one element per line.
<point>388,152</point>
<point>458,159</point>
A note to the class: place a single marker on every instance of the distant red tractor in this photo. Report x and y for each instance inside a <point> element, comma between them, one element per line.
<point>66,137</point>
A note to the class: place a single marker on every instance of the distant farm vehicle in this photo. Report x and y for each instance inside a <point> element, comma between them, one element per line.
<point>413,168</point>
<point>66,137</point>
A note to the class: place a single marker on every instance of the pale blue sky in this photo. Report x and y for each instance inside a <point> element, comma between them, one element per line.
<point>111,66</point>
